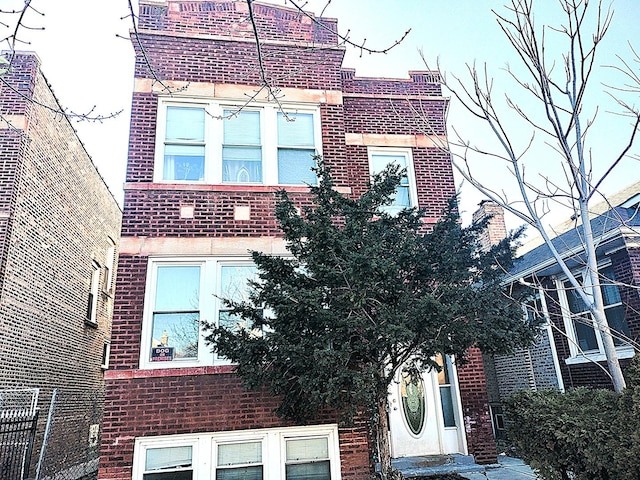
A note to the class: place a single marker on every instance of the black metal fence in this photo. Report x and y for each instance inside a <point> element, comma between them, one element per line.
<point>59,442</point>
<point>17,435</point>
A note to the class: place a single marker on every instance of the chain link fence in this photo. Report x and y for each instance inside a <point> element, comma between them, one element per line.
<point>59,441</point>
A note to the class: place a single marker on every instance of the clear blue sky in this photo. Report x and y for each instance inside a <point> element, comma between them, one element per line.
<point>88,65</point>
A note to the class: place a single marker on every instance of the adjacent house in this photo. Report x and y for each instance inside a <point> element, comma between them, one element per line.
<point>569,350</point>
<point>59,232</point>
<point>209,146</point>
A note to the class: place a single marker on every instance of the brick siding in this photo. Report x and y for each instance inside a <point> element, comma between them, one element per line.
<point>56,215</point>
<point>210,45</point>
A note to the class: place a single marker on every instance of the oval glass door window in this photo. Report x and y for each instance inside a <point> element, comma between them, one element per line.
<point>412,397</point>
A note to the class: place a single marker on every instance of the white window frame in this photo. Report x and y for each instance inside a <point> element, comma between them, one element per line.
<point>214,112</point>
<point>109,266</point>
<point>209,306</point>
<point>142,444</point>
<point>204,448</point>
<point>576,354</point>
<point>411,176</point>
<point>94,292</point>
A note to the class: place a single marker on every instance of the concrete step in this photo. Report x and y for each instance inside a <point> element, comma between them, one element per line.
<point>433,464</point>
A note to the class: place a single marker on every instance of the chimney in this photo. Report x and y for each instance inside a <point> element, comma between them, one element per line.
<point>496,229</point>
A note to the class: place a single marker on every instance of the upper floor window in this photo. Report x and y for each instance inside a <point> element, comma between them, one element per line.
<point>109,266</point>
<point>92,303</point>
<point>181,295</point>
<point>579,323</point>
<point>216,143</point>
<point>184,143</point>
<point>406,195</point>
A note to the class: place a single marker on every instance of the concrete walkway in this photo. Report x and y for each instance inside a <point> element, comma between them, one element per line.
<point>508,468</point>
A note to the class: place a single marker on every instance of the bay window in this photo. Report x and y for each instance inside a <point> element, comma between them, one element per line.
<point>214,142</point>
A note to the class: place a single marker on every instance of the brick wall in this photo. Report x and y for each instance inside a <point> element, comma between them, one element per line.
<point>58,217</point>
<point>475,408</point>
<point>170,404</point>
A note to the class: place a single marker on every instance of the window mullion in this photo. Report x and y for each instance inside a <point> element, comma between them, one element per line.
<point>270,145</point>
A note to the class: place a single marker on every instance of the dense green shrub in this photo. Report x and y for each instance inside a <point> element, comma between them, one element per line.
<point>565,435</point>
<point>581,434</point>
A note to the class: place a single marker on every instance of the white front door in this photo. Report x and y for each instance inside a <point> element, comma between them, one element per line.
<point>425,414</point>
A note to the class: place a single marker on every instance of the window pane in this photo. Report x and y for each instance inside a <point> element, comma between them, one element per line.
<point>185,124</point>
<point>307,449</point>
<point>177,288</point>
<point>576,305</point>
<point>585,334</point>
<point>183,475</point>
<point>241,129</point>
<point>447,407</point>
<point>183,162</point>
<point>179,331</point>
<point>239,453</point>
<point>309,471</point>
<point>618,322</point>
<point>610,291</point>
<point>242,473</point>
<point>380,162</point>
<point>401,198</point>
<point>294,167</point>
<point>295,130</point>
<point>242,164</point>
<point>443,374</point>
<point>168,457</point>
<point>234,281</point>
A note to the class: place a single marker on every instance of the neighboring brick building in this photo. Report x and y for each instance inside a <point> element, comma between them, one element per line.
<point>59,230</point>
<point>207,152</point>
<point>568,352</point>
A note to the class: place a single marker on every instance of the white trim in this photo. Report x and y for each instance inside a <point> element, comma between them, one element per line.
<point>204,448</point>
<point>214,111</point>
<point>623,352</point>
<point>552,343</point>
<point>94,292</point>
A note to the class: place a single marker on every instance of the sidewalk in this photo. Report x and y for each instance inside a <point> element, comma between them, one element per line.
<point>508,468</point>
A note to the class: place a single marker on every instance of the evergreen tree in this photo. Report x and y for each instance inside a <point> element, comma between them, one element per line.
<point>363,294</point>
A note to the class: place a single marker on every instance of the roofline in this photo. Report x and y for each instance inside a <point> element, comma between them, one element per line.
<point>620,232</point>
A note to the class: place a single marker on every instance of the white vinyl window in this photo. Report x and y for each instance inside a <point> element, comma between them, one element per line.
<point>307,458</point>
<point>239,460</point>
<point>94,290</point>
<point>213,142</point>
<point>109,267</point>
<point>168,463</point>
<point>406,194</point>
<point>291,453</point>
<point>184,143</point>
<point>579,323</point>
<point>182,294</point>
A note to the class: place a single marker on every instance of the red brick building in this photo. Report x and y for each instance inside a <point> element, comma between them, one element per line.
<point>59,229</point>
<point>209,146</point>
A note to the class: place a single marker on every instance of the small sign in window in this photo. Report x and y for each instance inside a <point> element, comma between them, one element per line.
<point>161,354</point>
